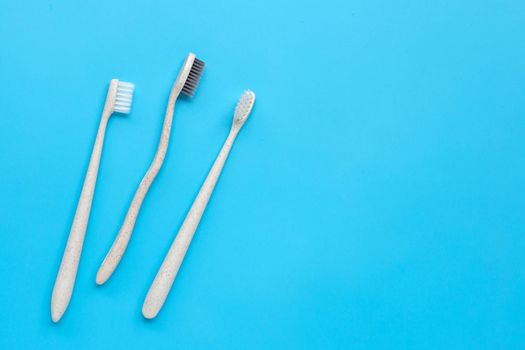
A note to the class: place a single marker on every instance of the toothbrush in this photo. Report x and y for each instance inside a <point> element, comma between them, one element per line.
<point>186,83</point>
<point>168,271</point>
<point>119,98</point>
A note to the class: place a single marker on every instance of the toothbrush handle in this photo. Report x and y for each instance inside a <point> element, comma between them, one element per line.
<point>168,271</point>
<point>120,244</point>
<point>68,267</point>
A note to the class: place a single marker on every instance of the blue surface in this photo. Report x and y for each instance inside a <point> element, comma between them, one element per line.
<point>375,198</point>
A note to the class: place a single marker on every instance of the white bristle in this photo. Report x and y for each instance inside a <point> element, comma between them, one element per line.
<point>244,106</point>
<point>124,97</point>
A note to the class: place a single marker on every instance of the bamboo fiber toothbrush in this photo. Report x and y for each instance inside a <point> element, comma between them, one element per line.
<point>186,83</point>
<point>166,275</point>
<point>119,98</point>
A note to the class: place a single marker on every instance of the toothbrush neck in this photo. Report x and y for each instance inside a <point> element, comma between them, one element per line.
<point>176,89</point>
<point>106,114</point>
<point>233,132</point>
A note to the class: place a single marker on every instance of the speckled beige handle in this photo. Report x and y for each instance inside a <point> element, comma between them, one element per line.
<point>118,248</point>
<point>68,267</point>
<point>168,271</point>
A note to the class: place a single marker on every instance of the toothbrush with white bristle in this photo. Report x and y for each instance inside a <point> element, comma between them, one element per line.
<point>168,271</point>
<point>119,98</point>
<point>186,83</point>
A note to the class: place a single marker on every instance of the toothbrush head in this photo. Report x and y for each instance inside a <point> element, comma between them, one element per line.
<point>196,69</point>
<point>124,97</point>
<point>244,107</point>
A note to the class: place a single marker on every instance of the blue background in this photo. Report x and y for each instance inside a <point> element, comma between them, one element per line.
<point>374,199</point>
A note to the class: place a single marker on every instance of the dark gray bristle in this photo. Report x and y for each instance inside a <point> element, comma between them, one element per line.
<point>193,78</point>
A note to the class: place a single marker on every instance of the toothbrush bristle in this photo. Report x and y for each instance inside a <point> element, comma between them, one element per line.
<point>124,97</point>
<point>244,106</point>
<point>193,78</point>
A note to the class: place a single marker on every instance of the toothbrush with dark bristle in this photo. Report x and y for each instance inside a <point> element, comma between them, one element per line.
<point>186,84</point>
<point>165,277</point>
<point>118,100</point>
